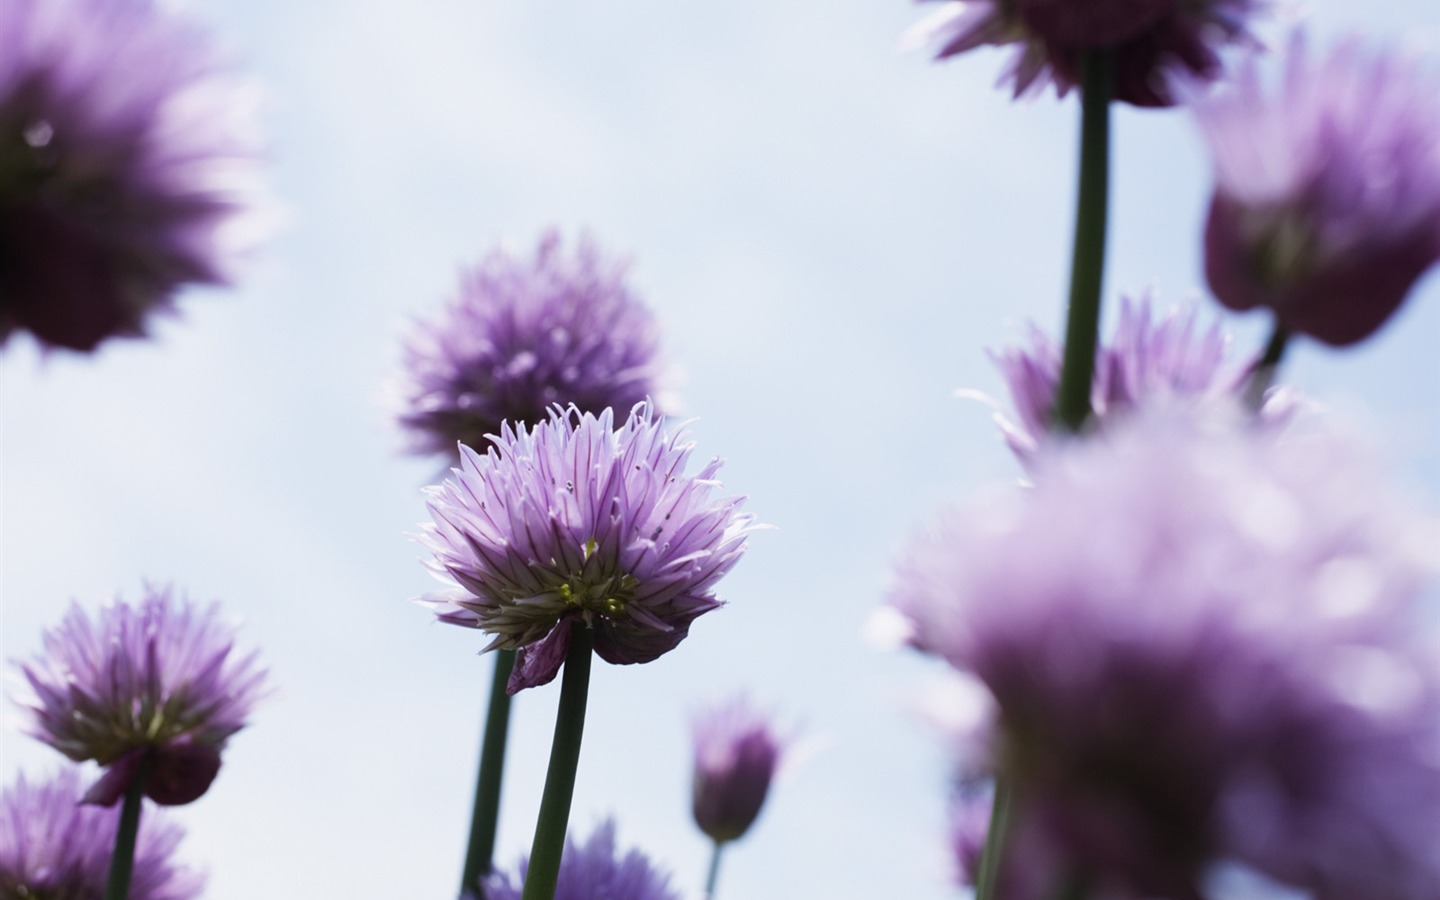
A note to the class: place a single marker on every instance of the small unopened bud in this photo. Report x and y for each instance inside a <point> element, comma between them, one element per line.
<point>736,752</point>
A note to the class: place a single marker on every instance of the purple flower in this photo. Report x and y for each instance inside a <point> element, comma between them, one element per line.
<point>591,871</point>
<point>153,687</point>
<point>970,810</point>
<point>574,520</point>
<point>523,336</point>
<point>1201,645</point>
<point>123,167</point>
<point>1327,190</point>
<point>1166,362</point>
<point>1152,41</point>
<point>736,751</point>
<point>52,847</point>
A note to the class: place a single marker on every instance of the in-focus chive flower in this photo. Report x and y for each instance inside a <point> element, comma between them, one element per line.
<point>576,519</point>
<point>593,870</point>
<point>1327,189</point>
<point>1151,41</point>
<point>525,335</point>
<point>1151,361</point>
<point>155,686</point>
<point>125,166</point>
<point>53,847</point>
<point>736,751</point>
<point>1202,646</point>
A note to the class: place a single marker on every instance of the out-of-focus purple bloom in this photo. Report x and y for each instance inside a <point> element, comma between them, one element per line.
<point>1150,362</point>
<point>591,871</point>
<point>124,167</point>
<point>1201,644</point>
<point>1327,190</point>
<point>970,809</point>
<point>523,336</point>
<point>154,686</point>
<point>53,847</point>
<point>1152,41</point>
<point>736,752</point>
<point>576,520</point>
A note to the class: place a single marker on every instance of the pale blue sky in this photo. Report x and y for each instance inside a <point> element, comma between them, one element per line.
<point>831,233</point>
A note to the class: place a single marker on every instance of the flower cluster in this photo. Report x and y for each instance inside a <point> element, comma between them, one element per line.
<point>1152,41</point>
<point>123,167</point>
<point>153,688</point>
<point>522,337</point>
<point>52,847</point>
<point>576,520</point>
<point>1166,362</point>
<point>736,752</point>
<point>1327,198</point>
<point>1200,645</point>
<point>1196,634</point>
<point>593,870</point>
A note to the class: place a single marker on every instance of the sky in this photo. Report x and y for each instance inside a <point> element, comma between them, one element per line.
<point>831,232</point>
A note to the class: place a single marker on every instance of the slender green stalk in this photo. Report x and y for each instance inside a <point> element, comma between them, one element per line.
<point>1077,371</point>
<point>480,853</point>
<point>1263,373</point>
<point>1082,326</point>
<point>989,874</point>
<point>549,843</point>
<point>122,862</point>
<point>714,873</point>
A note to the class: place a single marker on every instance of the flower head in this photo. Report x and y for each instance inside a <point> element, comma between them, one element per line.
<point>593,870</point>
<point>52,847</point>
<point>575,519</point>
<point>1150,362</point>
<point>1201,646</point>
<point>522,336</point>
<point>1151,40</point>
<point>1327,191</point>
<point>123,167</point>
<point>153,688</point>
<point>736,752</point>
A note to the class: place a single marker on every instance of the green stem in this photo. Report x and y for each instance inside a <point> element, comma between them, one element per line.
<point>480,853</point>
<point>549,843</point>
<point>122,862</point>
<point>714,871</point>
<point>989,875</point>
<point>1077,372</point>
<point>1263,373</point>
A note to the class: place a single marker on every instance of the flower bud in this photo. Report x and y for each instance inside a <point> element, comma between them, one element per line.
<point>736,751</point>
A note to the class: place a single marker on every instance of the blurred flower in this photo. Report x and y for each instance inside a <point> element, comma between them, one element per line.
<point>124,167</point>
<point>591,871</point>
<point>1148,363</point>
<point>1151,40</point>
<point>970,809</point>
<point>577,520</point>
<point>1327,197</point>
<point>1201,645</point>
<point>54,848</point>
<point>736,751</point>
<point>152,687</point>
<point>522,337</point>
